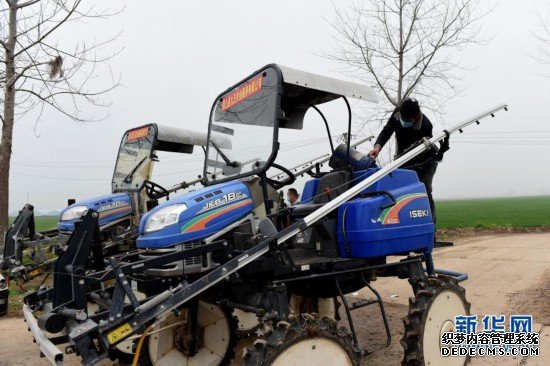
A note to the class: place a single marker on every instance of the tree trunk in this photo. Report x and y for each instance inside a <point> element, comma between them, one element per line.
<point>7,125</point>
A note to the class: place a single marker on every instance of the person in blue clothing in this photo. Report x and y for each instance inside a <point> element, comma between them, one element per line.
<point>410,126</point>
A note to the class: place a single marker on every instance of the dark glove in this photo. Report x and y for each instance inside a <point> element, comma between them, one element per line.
<point>443,146</point>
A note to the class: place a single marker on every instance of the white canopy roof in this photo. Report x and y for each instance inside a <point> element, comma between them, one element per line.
<point>327,84</point>
<point>190,137</point>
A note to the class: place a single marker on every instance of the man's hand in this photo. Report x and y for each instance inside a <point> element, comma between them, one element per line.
<point>374,152</point>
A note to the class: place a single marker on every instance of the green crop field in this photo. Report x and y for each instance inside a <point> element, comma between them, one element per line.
<point>464,213</point>
<point>494,212</point>
<point>43,222</point>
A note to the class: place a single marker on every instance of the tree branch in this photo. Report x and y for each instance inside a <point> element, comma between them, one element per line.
<point>399,47</point>
<point>28,3</point>
<point>51,30</point>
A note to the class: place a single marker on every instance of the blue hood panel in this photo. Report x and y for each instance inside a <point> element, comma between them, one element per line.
<point>111,207</point>
<point>209,210</point>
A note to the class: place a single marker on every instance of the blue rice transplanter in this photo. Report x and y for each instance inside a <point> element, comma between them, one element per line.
<point>229,256</point>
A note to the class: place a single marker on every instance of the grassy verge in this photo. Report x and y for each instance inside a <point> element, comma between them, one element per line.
<point>486,213</point>
<point>490,213</point>
<point>43,222</point>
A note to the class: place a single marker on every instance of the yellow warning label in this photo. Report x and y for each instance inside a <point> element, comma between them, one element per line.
<point>34,273</point>
<point>120,333</point>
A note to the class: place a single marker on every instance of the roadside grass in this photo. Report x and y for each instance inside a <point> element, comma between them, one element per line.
<point>492,213</point>
<point>479,213</point>
<point>17,294</point>
<point>43,222</point>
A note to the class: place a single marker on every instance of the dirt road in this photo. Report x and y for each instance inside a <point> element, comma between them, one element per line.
<point>509,274</point>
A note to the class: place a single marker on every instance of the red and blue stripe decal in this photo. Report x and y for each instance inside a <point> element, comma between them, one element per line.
<point>391,214</point>
<point>199,222</point>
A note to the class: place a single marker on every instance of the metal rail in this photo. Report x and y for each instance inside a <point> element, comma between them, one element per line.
<point>297,170</point>
<point>48,349</point>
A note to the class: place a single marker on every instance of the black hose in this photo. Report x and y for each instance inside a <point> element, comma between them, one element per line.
<point>349,129</point>
<point>326,125</point>
<point>458,276</point>
<point>344,233</point>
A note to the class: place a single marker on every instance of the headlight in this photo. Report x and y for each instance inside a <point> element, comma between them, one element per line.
<point>164,217</point>
<point>72,213</point>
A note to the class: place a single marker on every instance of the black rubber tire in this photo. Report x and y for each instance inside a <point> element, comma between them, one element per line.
<point>145,360</point>
<point>277,338</point>
<point>414,322</point>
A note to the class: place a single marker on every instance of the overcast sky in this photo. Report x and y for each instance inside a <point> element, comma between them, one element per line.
<point>178,55</point>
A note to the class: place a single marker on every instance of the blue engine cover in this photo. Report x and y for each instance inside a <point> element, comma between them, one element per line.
<point>209,210</point>
<point>372,231</point>
<point>111,207</point>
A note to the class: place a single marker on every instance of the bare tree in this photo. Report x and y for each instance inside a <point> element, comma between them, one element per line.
<point>542,34</point>
<point>38,71</point>
<point>402,48</point>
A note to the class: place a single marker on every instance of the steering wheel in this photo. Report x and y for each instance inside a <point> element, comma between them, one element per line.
<point>280,184</point>
<point>155,191</point>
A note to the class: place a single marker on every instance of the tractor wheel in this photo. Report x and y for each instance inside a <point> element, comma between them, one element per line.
<point>431,312</point>
<point>323,306</point>
<point>248,323</point>
<point>302,340</point>
<point>166,344</point>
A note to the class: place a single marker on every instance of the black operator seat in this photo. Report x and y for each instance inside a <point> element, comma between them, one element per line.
<point>331,185</point>
<point>336,182</point>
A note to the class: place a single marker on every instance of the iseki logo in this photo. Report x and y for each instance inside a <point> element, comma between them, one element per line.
<point>415,214</point>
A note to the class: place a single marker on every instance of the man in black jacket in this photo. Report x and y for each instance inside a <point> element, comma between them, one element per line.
<point>410,125</point>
